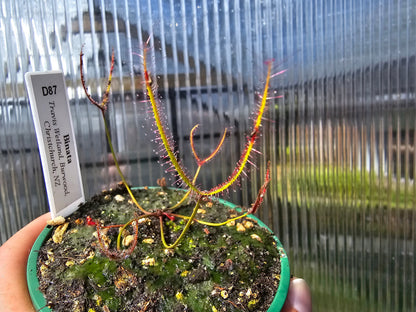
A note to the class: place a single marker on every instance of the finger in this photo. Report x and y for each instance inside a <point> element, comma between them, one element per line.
<point>14,295</point>
<point>298,297</point>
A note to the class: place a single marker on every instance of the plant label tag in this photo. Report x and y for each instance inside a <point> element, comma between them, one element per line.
<point>56,140</point>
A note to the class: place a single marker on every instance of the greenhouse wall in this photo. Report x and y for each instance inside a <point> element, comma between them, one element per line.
<point>339,131</point>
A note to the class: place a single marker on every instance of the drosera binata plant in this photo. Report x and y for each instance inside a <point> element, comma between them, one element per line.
<point>196,193</point>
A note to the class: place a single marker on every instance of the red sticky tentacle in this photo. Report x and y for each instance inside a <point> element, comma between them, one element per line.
<point>262,191</point>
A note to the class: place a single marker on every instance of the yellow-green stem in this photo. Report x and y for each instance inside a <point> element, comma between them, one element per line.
<point>222,187</point>
<point>188,192</point>
<point>188,224</point>
<point>162,132</point>
<point>214,224</point>
<point>123,179</point>
<point>120,233</point>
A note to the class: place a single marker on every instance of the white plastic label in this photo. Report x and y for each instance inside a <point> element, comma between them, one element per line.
<point>56,140</point>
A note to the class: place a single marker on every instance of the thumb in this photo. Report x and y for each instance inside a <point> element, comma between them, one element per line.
<point>298,297</point>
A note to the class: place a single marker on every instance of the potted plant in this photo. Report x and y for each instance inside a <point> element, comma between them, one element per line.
<point>160,248</point>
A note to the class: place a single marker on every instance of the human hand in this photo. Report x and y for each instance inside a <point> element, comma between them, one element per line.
<point>14,295</point>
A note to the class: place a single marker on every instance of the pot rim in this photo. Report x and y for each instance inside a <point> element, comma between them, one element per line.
<point>39,300</point>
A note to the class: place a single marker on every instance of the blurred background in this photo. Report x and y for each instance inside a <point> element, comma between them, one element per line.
<point>341,141</point>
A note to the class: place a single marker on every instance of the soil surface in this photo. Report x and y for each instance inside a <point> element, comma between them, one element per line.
<point>234,267</point>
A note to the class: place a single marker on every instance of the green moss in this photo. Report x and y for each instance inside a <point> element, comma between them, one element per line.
<point>197,298</point>
<point>173,226</point>
<point>76,238</point>
<point>98,270</point>
<point>110,299</point>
